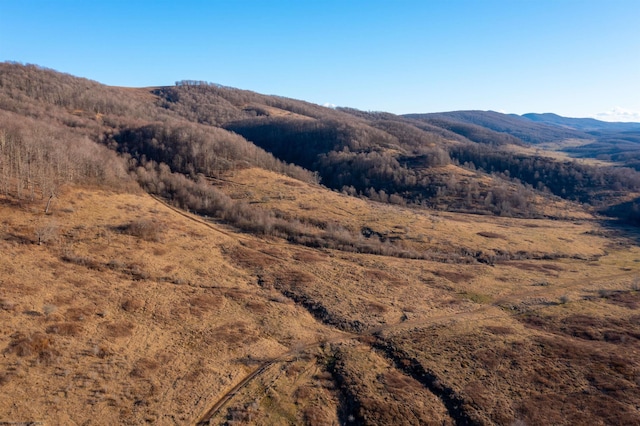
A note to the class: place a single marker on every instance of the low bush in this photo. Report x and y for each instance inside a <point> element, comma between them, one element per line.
<point>64,329</point>
<point>145,229</point>
<point>36,344</point>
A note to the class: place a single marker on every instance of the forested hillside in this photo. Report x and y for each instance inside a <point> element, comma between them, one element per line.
<point>458,161</point>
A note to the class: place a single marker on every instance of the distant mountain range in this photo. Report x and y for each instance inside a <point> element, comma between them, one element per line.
<point>489,125</point>
<point>584,124</point>
<point>528,128</point>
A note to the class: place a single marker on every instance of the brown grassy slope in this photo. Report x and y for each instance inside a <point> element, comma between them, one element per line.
<point>112,320</point>
<point>575,363</point>
<point>381,394</point>
<point>296,391</point>
<point>533,259</point>
<point>135,312</point>
<point>459,322</point>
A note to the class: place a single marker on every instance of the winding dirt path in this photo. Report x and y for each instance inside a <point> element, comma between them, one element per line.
<point>516,297</point>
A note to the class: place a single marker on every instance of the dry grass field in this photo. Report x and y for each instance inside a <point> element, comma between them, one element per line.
<point>127,312</point>
<point>284,302</point>
<point>118,309</point>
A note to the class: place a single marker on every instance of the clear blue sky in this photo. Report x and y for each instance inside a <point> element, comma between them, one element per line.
<point>576,58</point>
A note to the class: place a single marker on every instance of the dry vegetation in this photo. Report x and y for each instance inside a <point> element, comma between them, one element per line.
<point>100,322</point>
<point>149,315</point>
<point>283,302</point>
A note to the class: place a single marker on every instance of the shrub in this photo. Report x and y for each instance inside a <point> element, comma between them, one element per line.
<point>46,232</point>
<point>7,305</point>
<point>37,344</point>
<point>132,305</point>
<point>119,329</point>
<point>49,309</point>
<point>142,228</point>
<point>64,329</point>
<point>71,257</point>
<point>204,303</point>
<point>143,367</point>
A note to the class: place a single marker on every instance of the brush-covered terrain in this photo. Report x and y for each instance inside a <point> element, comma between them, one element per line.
<point>198,254</point>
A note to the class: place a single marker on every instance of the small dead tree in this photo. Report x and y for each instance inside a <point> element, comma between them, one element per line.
<point>51,197</point>
<point>46,232</point>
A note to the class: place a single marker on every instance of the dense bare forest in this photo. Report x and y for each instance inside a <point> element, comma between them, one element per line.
<point>37,158</point>
<point>56,128</point>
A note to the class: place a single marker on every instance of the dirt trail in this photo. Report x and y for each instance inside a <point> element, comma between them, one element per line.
<point>194,218</point>
<point>516,297</point>
<point>264,366</point>
<point>211,412</point>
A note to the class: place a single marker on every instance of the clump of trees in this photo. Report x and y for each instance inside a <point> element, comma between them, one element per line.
<point>192,149</point>
<point>217,105</point>
<point>55,129</point>
<point>348,156</point>
<point>388,162</point>
<point>44,93</point>
<point>36,159</point>
<point>199,196</point>
<point>567,179</point>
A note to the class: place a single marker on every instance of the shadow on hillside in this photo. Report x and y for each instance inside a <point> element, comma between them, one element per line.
<point>16,238</point>
<point>9,201</point>
<point>620,232</point>
<point>623,221</point>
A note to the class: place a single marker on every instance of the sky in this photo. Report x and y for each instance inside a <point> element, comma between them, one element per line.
<point>577,58</point>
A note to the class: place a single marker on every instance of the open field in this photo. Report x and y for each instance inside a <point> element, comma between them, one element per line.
<point>128,312</point>
<point>147,314</point>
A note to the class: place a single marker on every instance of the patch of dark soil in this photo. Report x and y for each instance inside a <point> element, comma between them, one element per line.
<point>454,277</point>
<point>491,235</point>
<point>627,299</point>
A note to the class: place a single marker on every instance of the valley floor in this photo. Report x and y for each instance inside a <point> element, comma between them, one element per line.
<point>120,309</point>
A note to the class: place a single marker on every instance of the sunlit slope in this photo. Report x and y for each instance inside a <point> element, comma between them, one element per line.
<point>127,312</point>
<point>540,272</point>
<point>147,313</point>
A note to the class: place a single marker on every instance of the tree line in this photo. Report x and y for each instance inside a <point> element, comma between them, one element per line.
<point>199,129</point>
<point>567,179</point>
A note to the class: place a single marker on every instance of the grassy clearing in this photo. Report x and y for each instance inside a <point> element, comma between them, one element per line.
<point>137,323</point>
<point>151,315</point>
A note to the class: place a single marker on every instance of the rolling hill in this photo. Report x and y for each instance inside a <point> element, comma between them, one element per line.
<point>199,254</point>
<point>522,128</point>
<point>582,124</point>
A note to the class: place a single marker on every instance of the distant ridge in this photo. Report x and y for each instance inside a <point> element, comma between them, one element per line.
<point>500,125</point>
<point>583,124</point>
